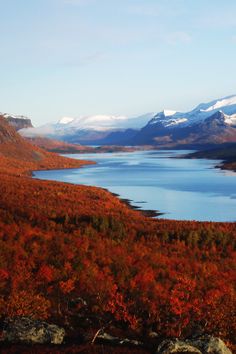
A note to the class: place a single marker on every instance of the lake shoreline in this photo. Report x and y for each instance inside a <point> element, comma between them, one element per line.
<point>172,187</point>
<point>226,155</point>
<point>145,212</point>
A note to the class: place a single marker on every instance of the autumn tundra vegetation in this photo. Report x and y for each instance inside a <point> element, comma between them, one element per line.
<point>79,257</point>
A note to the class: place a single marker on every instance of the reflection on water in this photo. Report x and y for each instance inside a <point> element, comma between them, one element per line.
<point>182,189</point>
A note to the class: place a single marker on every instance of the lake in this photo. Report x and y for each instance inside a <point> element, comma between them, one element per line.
<point>181,189</point>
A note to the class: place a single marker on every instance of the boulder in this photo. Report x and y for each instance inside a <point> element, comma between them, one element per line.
<point>201,345</point>
<point>26,330</point>
<point>172,346</point>
<point>210,345</point>
<point>106,337</point>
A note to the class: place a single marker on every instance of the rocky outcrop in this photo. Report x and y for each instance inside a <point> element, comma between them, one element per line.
<point>201,345</point>
<point>26,330</point>
<point>18,122</point>
<point>210,345</point>
<point>177,346</point>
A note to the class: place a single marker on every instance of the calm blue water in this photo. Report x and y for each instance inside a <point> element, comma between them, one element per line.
<point>180,188</point>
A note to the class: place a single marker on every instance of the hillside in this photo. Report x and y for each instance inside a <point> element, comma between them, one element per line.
<point>62,147</point>
<point>79,257</point>
<point>19,156</point>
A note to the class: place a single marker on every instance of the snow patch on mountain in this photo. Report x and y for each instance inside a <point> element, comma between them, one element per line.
<point>231,120</point>
<point>168,112</point>
<point>65,120</point>
<point>95,122</point>
<point>217,104</point>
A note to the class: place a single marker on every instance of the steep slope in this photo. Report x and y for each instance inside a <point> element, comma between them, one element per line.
<point>19,156</point>
<point>12,145</point>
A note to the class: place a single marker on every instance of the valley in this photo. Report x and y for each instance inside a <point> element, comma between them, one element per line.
<point>78,257</point>
<point>117,177</point>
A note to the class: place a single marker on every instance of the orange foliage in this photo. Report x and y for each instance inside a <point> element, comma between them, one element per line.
<point>67,248</point>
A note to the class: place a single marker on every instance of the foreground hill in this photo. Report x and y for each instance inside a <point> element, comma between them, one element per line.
<point>79,257</point>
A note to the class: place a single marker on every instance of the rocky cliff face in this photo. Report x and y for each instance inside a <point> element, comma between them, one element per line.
<point>7,133</point>
<point>18,122</point>
<point>14,146</point>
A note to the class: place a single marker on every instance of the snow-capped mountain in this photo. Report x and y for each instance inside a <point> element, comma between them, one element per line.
<point>88,128</point>
<point>227,105</point>
<point>208,123</point>
<point>212,122</point>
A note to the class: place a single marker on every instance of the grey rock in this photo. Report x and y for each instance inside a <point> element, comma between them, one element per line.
<point>118,341</point>
<point>202,345</point>
<point>176,346</point>
<point>26,330</point>
<point>210,345</point>
<point>153,335</point>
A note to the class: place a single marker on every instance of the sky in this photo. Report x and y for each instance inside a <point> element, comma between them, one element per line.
<point>121,57</point>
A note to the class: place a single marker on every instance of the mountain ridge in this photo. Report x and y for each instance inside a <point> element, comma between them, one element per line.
<point>165,128</point>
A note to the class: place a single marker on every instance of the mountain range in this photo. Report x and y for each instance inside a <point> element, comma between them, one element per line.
<point>96,129</point>
<point>208,123</point>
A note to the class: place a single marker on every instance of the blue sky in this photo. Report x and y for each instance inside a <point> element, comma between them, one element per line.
<point>81,57</point>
